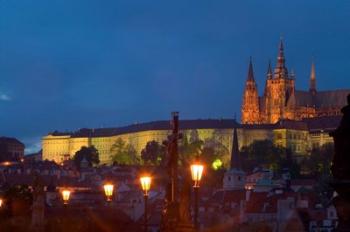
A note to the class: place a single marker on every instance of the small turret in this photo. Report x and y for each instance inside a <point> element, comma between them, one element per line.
<point>269,71</point>
<point>312,88</point>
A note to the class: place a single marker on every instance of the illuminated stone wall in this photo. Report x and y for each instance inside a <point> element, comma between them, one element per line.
<point>296,140</point>
<point>56,147</point>
<point>319,138</point>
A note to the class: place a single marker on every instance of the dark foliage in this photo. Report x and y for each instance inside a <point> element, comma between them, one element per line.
<point>154,153</point>
<point>90,154</point>
<point>263,153</point>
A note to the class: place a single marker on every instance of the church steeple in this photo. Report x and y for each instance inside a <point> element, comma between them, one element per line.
<point>234,178</point>
<point>250,76</point>
<point>280,58</point>
<point>281,70</point>
<point>235,156</point>
<point>312,88</point>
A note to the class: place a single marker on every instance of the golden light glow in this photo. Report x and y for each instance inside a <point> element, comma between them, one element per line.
<point>65,196</point>
<point>216,164</point>
<point>108,188</point>
<point>145,184</point>
<point>196,172</point>
<point>1,202</point>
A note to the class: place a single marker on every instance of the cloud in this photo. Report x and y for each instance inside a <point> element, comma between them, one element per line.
<point>4,97</point>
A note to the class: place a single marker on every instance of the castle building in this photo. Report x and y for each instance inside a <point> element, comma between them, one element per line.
<point>280,100</point>
<point>295,119</point>
<point>299,136</point>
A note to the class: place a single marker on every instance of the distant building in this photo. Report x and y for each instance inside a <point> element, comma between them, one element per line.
<point>299,136</point>
<point>34,157</point>
<point>11,149</point>
<point>280,99</point>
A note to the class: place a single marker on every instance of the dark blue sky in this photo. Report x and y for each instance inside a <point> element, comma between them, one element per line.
<point>70,64</point>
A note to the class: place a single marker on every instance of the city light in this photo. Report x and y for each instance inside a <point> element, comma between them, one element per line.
<point>65,196</point>
<point>145,184</point>
<point>1,202</point>
<point>108,188</point>
<point>196,172</point>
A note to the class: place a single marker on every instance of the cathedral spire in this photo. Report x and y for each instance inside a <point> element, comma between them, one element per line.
<point>280,58</point>
<point>281,70</point>
<point>250,76</point>
<point>313,79</point>
<point>235,159</point>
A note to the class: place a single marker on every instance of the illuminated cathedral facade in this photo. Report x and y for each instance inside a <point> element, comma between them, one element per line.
<point>280,100</point>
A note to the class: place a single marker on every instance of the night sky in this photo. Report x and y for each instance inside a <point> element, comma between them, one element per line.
<point>69,64</point>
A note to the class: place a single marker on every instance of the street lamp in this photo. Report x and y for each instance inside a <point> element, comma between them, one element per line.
<point>146,185</point>
<point>1,202</point>
<point>108,188</point>
<point>65,196</point>
<point>196,173</point>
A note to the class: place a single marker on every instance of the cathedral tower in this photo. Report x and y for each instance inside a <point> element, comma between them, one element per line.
<point>279,89</point>
<point>250,105</point>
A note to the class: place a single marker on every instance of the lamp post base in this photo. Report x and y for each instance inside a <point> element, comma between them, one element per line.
<point>342,204</point>
<point>185,227</point>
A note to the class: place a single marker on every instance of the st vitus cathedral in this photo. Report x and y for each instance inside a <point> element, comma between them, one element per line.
<point>281,100</point>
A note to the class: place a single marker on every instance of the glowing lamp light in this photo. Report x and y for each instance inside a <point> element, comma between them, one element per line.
<point>145,184</point>
<point>196,172</point>
<point>65,196</point>
<point>108,188</point>
<point>1,202</point>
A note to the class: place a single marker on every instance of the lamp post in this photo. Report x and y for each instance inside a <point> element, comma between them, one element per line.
<point>196,173</point>
<point>65,196</point>
<point>146,185</point>
<point>108,189</point>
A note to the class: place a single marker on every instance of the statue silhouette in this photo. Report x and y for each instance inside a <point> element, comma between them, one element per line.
<point>341,169</point>
<point>341,159</point>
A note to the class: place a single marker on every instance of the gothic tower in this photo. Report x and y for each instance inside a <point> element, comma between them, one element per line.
<point>280,87</point>
<point>250,105</point>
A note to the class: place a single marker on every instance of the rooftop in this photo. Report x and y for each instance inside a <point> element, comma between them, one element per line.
<point>311,124</point>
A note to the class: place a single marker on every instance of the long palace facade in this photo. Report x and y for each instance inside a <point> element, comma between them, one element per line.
<point>299,136</point>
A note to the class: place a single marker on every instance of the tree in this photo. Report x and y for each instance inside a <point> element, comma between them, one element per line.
<point>189,149</point>
<point>124,154</point>
<point>214,150</point>
<point>153,153</point>
<point>263,153</point>
<point>90,154</point>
